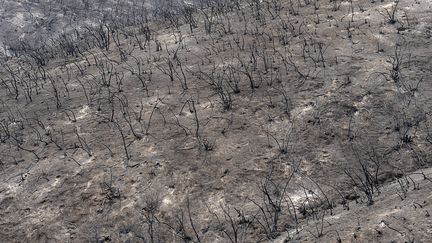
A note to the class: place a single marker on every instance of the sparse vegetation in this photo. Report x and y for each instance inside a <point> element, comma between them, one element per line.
<point>215,121</point>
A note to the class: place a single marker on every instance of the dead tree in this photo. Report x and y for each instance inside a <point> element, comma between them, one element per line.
<point>83,143</point>
<point>123,138</point>
<point>124,106</point>
<point>391,15</point>
<point>234,227</point>
<point>249,73</point>
<point>274,196</point>
<point>150,219</point>
<point>365,175</point>
<point>184,226</point>
<point>55,91</point>
<point>203,144</point>
<point>168,70</point>
<point>101,35</point>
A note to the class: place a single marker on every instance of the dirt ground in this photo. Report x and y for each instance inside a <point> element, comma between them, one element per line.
<point>327,103</point>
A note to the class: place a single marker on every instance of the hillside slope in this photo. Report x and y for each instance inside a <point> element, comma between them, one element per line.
<point>225,121</point>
